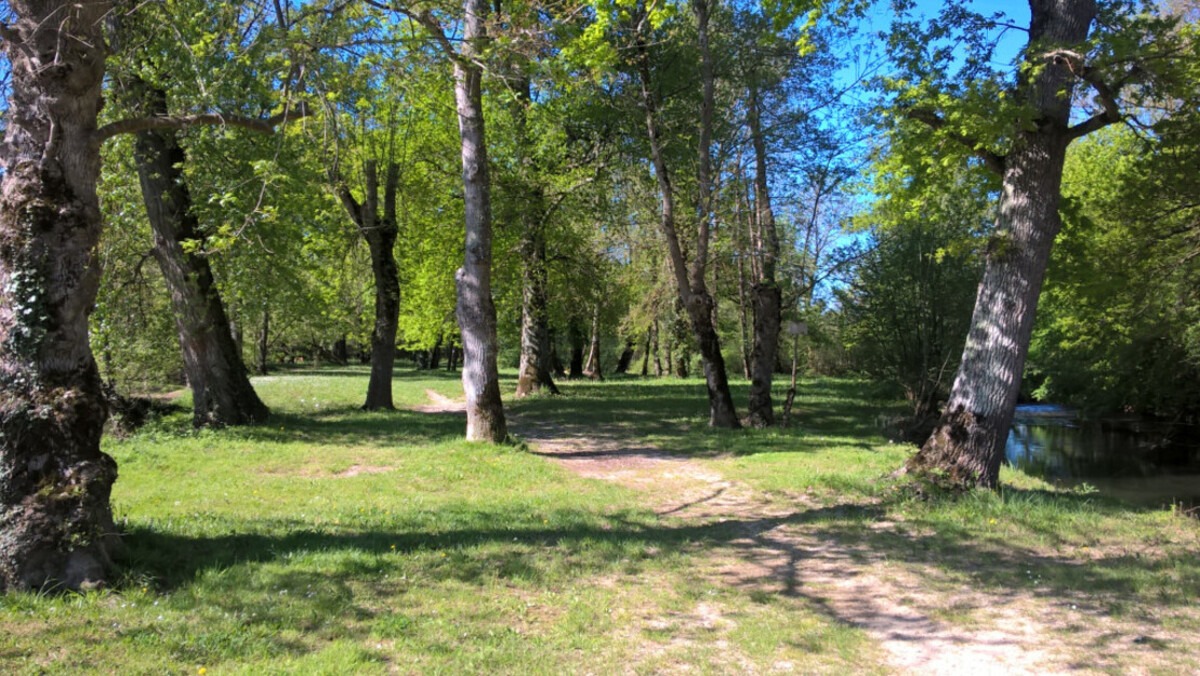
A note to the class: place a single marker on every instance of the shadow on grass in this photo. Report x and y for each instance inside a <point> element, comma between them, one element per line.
<point>593,542</point>
<point>361,371</point>
<point>324,574</point>
<point>673,414</point>
<point>333,425</point>
<point>351,426</point>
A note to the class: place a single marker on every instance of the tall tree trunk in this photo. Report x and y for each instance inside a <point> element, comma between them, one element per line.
<point>658,367</point>
<point>967,447</point>
<point>340,354</point>
<point>56,524</point>
<point>626,358</point>
<point>575,335</point>
<point>767,296</point>
<point>744,319</point>
<point>264,341</point>
<point>476,310</point>
<point>555,362</point>
<point>221,390</point>
<point>380,232</point>
<point>536,371</point>
<point>435,354</point>
<point>693,291</point>
<point>593,369</point>
<point>646,356</point>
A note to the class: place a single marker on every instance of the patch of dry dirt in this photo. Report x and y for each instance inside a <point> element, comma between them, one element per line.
<point>440,404</point>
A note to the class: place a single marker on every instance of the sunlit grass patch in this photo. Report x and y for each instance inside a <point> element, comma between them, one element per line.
<point>332,540</point>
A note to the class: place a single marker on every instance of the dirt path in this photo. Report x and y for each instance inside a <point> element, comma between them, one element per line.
<point>895,604</point>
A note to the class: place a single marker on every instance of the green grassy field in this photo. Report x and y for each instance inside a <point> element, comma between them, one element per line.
<point>331,540</point>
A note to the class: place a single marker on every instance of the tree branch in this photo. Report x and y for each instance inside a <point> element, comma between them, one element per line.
<point>426,19</point>
<point>1074,62</point>
<point>938,123</point>
<point>262,126</point>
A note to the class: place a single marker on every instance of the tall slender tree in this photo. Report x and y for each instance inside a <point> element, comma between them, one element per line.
<point>690,278</point>
<point>476,309</point>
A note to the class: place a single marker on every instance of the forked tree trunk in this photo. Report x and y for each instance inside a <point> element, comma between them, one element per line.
<point>380,232</point>
<point>476,310</point>
<point>967,447</point>
<point>56,525</point>
<point>767,296</point>
<point>693,291</point>
<point>221,390</point>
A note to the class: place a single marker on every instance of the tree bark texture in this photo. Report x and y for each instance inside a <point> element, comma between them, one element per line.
<point>221,390</point>
<point>380,231</point>
<point>967,447</point>
<point>536,369</point>
<point>692,289</point>
<point>56,525</point>
<point>767,297</point>
<point>476,311</point>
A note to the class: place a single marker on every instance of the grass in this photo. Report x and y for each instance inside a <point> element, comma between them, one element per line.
<point>332,540</point>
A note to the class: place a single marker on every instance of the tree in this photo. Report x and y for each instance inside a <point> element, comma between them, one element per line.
<point>476,310</point>
<point>967,446</point>
<point>221,390</point>
<point>907,305</point>
<point>690,279</point>
<point>1116,329</point>
<point>56,523</point>
<point>379,230</point>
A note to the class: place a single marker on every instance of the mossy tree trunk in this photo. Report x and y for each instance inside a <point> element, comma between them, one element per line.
<point>56,524</point>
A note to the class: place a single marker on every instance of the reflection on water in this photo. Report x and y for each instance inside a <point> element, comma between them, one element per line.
<point>1123,458</point>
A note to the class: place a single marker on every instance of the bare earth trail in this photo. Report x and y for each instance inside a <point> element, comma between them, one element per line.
<point>781,548</point>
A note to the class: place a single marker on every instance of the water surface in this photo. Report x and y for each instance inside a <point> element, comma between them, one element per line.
<point>1123,457</point>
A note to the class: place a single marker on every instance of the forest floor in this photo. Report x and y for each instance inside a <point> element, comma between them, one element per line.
<point>618,535</point>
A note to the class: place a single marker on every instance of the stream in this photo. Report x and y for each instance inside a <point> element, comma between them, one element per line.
<point>1121,457</point>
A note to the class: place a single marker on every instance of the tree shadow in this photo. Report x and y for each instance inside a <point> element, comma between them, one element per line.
<point>500,545</point>
<point>673,414</point>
